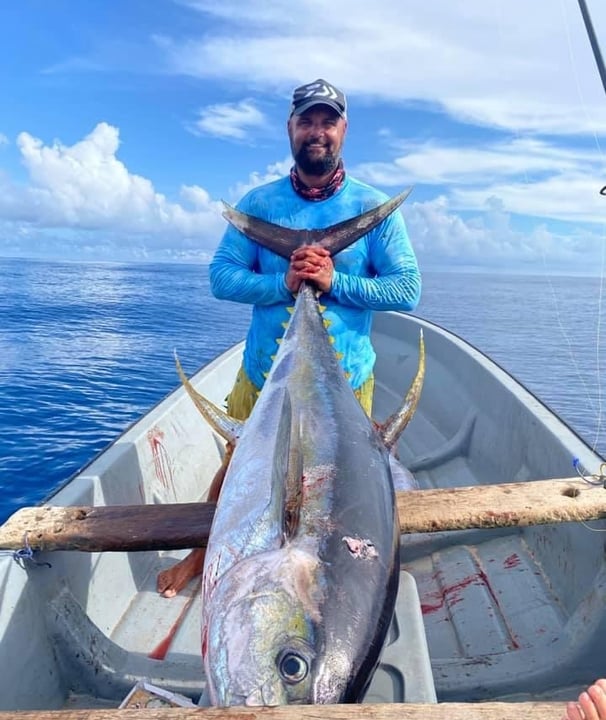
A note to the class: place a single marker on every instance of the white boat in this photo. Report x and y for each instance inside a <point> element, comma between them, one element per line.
<point>503,614</point>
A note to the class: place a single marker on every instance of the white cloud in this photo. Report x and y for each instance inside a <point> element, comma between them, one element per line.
<point>229,120</point>
<point>531,177</point>
<point>82,201</point>
<point>275,171</point>
<point>3,139</point>
<point>516,64</point>
<point>443,238</point>
<point>85,187</point>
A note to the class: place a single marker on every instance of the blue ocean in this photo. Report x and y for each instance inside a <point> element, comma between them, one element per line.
<point>87,348</point>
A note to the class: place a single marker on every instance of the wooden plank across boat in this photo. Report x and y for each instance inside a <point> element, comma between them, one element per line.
<point>444,711</point>
<point>503,575</point>
<point>174,526</point>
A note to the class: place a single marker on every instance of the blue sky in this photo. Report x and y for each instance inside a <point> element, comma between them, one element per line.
<point>123,123</point>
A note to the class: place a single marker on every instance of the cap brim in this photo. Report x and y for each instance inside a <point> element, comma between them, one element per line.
<point>316,101</point>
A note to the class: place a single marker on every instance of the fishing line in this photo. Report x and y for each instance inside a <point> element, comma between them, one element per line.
<point>588,527</point>
<point>567,338</point>
<point>574,67</point>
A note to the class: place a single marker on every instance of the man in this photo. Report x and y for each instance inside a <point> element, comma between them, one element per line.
<point>378,272</point>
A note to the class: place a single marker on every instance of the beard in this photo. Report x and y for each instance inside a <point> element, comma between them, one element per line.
<point>317,167</point>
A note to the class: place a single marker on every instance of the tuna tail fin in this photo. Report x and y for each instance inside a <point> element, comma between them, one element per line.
<point>335,238</point>
<point>229,428</point>
<point>394,426</point>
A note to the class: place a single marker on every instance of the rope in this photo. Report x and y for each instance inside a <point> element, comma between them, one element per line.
<point>24,555</point>
<point>591,478</point>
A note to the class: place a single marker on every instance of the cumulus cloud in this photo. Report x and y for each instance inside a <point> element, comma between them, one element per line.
<point>231,121</point>
<point>273,172</point>
<point>85,187</point>
<point>530,176</point>
<point>443,238</point>
<point>515,65</point>
<point>82,201</point>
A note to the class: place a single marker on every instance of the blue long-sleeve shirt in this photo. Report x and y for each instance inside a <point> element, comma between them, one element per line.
<point>378,272</point>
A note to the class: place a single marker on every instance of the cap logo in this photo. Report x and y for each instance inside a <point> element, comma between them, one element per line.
<point>320,89</point>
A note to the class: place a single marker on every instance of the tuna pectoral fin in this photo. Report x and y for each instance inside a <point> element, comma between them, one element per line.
<point>335,238</point>
<point>294,480</point>
<point>229,428</point>
<point>394,426</point>
<point>287,469</point>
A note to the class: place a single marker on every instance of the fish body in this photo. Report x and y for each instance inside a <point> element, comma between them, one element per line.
<point>302,565</point>
<point>301,570</point>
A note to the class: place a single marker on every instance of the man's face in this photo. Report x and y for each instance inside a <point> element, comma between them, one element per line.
<point>316,139</point>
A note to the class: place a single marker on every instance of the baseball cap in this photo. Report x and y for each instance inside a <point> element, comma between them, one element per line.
<point>318,92</point>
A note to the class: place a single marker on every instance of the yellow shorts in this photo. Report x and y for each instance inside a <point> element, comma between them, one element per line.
<point>244,394</point>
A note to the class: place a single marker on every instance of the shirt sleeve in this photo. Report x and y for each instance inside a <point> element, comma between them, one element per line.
<point>395,282</point>
<point>233,275</point>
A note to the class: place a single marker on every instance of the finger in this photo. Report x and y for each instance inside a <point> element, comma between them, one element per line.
<point>588,707</point>
<point>308,265</point>
<point>573,712</point>
<point>309,251</point>
<point>597,693</point>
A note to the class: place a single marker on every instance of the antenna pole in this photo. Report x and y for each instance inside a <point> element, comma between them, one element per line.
<point>594,42</point>
<point>597,53</point>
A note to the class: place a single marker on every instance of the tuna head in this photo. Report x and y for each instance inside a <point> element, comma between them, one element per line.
<point>286,627</point>
<point>259,641</point>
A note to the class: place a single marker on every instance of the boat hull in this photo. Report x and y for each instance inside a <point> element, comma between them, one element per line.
<point>481,614</point>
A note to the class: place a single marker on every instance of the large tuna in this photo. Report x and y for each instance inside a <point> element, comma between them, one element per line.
<point>302,568</point>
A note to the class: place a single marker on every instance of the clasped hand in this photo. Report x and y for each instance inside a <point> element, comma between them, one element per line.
<point>313,264</point>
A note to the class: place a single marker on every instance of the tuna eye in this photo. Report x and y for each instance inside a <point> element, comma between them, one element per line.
<point>293,668</point>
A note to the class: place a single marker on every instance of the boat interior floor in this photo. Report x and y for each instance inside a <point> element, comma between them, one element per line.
<point>484,605</point>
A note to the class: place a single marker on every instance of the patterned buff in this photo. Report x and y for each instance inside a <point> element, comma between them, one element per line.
<point>317,193</point>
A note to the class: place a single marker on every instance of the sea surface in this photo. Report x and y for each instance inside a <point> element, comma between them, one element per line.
<point>87,348</point>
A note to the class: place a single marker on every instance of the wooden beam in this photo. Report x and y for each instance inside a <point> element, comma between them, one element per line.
<point>186,525</point>
<point>394,711</point>
<point>538,502</point>
<point>109,528</point>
